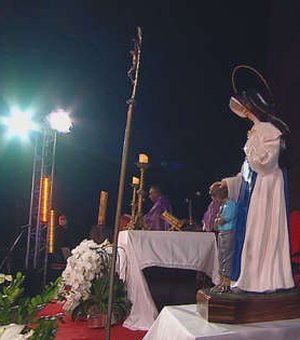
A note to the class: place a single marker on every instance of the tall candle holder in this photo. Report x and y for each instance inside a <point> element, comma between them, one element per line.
<point>143,165</point>
<point>135,185</point>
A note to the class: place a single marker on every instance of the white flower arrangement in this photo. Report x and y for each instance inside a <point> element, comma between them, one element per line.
<point>4,277</point>
<point>14,332</point>
<point>88,261</point>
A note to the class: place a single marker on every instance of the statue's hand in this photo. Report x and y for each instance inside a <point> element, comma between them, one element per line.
<point>220,184</point>
<point>223,183</point>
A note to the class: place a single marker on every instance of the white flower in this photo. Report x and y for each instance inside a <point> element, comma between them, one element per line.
<point>4,277</point>
<point>88,260</point>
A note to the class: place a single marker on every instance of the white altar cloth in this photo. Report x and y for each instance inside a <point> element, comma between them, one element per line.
<point>141,249</point>
<point>184,323</point>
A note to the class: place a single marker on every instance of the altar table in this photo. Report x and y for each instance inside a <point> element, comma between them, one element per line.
<point>141,249</point>
<point>184,323</point>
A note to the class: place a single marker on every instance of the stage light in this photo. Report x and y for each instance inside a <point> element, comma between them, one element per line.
<point>19,123</point>
<point>45,193</point>
<point>60,121</point>
<point>51,231</point>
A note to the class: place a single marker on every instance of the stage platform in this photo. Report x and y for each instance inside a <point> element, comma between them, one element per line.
<point>78,330</point>
<point>184,323</point>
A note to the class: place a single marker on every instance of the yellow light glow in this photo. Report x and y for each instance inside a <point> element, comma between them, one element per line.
<point>135,180</point>
<point>45,199</point>
<point>51,231</point>
<point>143,158</point>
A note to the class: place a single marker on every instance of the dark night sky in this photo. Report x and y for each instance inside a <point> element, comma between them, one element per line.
<point>75,55</point>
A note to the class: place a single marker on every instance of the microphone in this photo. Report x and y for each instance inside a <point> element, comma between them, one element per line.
<point>197,193</point>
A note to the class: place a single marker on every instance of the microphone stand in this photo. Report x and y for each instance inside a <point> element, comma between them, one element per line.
<point>191,212</point>
<point>189,201</point>
<point>22,229</point>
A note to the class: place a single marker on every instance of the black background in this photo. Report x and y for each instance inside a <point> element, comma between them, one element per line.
<point>75,55</point>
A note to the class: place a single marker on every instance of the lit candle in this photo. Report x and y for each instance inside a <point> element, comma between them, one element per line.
<point>102,207</point>
<point>135,180</point>
<point>143,158</point>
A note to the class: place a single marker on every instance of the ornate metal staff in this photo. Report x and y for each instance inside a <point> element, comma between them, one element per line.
<point>133,74</point>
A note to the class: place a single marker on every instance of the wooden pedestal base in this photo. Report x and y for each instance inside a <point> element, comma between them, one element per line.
<point>239,308</point>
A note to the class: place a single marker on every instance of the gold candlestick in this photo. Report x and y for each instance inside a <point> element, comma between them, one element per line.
<point>135,184</point>
<point>142,164</point>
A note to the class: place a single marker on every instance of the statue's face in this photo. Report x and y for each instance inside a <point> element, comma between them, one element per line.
<point>238,108</point>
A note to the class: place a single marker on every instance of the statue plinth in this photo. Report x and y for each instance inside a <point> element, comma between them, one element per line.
<point>241,308</point>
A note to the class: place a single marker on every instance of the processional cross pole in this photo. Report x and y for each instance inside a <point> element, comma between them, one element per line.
<point>133,74</point>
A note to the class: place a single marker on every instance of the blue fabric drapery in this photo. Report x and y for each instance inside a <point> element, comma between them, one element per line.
<point>246,190</point>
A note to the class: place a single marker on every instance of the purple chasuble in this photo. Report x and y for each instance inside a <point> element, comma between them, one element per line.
<point>210,215</point>
<point>153,217</point>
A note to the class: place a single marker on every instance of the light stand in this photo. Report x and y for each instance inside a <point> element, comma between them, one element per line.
<point>36,258</point>
<point>22,229</point>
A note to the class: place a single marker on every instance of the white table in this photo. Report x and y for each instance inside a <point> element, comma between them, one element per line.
<point>183,323</point>
<point>141,249</point>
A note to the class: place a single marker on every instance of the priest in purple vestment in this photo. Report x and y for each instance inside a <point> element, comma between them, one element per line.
<point>160,203</point>
<point>210,215</point>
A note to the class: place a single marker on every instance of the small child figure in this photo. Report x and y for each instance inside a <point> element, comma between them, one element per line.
<point>225,225</point>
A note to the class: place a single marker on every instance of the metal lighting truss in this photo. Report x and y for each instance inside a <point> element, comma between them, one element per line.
<point>36,258</point>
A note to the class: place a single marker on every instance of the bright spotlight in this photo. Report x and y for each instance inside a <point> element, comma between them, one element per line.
<point>60,121</point>
<point>19,123</point>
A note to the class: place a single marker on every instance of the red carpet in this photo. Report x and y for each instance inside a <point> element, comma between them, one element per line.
<point>78,330</point>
